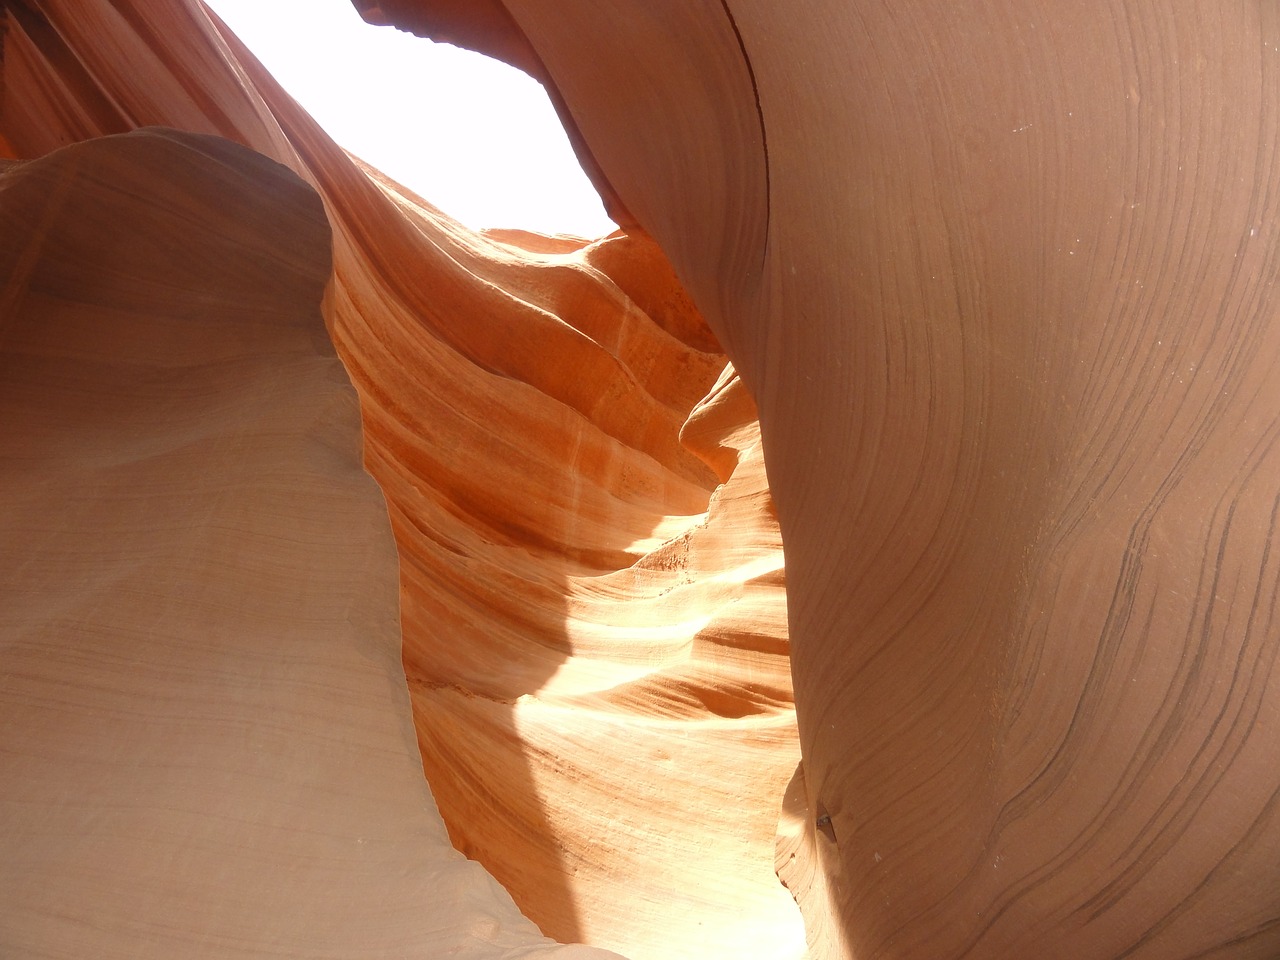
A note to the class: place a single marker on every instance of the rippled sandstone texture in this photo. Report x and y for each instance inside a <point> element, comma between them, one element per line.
<point>1001,278</point>
<point>206,741</point>
<point>591,590</point>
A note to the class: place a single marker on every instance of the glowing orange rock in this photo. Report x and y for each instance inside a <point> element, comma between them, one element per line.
<point>1002,280</point>
<point>593,600</point>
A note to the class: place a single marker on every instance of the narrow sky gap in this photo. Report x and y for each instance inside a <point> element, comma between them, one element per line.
<point>477,138</point>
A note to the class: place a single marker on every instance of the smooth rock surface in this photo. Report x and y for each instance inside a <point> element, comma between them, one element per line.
<point>207,748</point>
<point>1001,276</point>
<point>593,610</point>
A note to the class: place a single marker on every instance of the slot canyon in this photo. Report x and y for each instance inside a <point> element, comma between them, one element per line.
<point>968,308</point>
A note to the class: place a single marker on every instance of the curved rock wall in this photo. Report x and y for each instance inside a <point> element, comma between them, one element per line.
<point>207,747</point>
<point>1002,278</point>
<point>592,596</point>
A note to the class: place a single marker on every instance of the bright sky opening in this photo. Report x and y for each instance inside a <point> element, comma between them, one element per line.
<point>475,137</point>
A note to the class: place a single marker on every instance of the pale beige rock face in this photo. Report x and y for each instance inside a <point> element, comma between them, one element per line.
<point>207,748</point>
<point>591,585</point>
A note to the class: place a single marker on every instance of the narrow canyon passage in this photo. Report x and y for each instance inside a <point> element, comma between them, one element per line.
<point>991,288</point>
<point>591,587</point>
<point>1001,277</point>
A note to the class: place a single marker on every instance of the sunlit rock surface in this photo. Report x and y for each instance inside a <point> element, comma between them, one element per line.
<point>1000,280</point>
<point>1001,277</point>
<point>207,748</point>
<point>207,741</point>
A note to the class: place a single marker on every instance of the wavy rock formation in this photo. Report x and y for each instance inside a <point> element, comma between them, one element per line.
<point>206,739</point>
<point>594,618</point>
<point>591,588</point>
<point>1002,280</point>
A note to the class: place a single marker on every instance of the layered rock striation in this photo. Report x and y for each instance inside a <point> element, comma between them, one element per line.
<point>207,747</point>
<point>590,572</point>
<point>999,281</point>
<point>1002,280</point>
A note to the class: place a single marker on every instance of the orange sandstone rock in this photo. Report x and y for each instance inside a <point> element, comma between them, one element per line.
<point>206,748</point>
<point>1002,280</point>
<point>594,626</point>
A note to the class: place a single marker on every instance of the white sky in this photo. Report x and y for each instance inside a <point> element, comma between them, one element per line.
<point>476,137</point>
